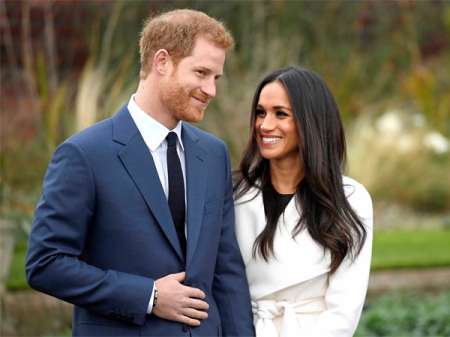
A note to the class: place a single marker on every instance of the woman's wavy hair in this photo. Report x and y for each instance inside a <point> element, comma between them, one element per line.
<point>325,211</point>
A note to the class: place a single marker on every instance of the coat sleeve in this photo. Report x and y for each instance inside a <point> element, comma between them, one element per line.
<point>348,285</point>
<point>54,263</point>
<point>230,288</point>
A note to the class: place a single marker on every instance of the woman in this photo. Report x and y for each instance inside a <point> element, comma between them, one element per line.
<point>304,229</point>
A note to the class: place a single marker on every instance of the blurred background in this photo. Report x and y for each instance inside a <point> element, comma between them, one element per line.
<point>67,64</point>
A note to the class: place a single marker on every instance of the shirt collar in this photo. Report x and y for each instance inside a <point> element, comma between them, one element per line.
<point>151,130</point>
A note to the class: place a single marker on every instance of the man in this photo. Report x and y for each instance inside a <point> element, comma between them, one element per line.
<point>136,230</point>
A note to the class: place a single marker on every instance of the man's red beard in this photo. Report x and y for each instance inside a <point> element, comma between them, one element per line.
<point>180,103</point>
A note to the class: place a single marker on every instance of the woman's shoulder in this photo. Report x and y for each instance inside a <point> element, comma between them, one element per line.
<point>358,197</point>
<point>241,197</point>
<point>351,186</point>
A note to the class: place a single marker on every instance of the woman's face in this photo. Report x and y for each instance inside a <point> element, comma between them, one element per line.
<point>275,128</point>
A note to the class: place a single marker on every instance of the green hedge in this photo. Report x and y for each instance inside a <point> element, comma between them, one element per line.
<point>406,314</point>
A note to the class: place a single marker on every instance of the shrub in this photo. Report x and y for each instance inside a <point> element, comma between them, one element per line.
<point>406,314</point>
<point>391,157</point>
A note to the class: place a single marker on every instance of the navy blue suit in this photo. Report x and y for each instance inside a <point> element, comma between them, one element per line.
<point>103,233</point>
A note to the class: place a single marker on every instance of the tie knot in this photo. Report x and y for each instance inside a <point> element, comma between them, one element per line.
<point>171,139</point>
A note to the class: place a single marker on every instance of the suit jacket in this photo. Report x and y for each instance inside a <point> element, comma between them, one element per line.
<point>300,271</point>
<point>102,233</point>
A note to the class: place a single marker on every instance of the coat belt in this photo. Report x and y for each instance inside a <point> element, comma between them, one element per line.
<point>268,310</point>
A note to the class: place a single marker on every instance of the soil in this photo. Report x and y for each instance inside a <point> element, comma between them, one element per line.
<point>428,279</point>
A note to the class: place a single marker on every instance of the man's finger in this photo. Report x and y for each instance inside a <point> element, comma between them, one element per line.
<point>189,321</point>
<point>179,276</point>
<point>196,293</point>
<point>195,314</point>
<point>197,304</point>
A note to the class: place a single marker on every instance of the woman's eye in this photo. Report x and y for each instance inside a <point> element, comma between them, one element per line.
<point>282,114</point>
<point>260,112</point>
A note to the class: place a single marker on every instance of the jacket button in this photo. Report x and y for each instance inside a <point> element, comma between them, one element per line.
<point>185,327</point>
<point>187,284</point>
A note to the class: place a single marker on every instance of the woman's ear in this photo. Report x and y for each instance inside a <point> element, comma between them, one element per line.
<point>161,61</point>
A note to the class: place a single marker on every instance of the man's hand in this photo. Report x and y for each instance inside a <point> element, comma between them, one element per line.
<point>179,303</point>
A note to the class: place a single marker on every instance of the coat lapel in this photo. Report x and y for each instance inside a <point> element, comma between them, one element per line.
<point>296,261</point>
<point>196,173</point>
<point>137,159</point>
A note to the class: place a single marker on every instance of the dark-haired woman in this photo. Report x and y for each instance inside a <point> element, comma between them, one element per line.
<point>304,229</point>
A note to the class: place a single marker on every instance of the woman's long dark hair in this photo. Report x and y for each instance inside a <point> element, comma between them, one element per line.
<point>325,211</point>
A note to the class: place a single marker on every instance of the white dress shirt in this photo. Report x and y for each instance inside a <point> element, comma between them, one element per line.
<point>154,134</point>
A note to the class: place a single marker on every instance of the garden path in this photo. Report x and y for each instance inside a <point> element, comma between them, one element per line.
<point>424,279</point>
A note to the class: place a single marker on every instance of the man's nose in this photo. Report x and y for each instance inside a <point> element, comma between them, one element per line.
<point>209,88</point>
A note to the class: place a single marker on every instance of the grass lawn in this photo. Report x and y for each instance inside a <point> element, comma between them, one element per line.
<point>391,249</point>
<point>411,249</point>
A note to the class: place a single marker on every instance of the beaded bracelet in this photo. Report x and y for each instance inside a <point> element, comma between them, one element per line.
<point>155,296</point>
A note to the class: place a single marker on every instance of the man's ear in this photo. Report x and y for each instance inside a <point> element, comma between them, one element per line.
<point>161,61</point>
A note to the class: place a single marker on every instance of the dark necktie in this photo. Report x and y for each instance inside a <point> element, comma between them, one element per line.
<point>176,188</point>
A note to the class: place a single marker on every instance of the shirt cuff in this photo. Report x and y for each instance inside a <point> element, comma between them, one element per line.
<point>150,304</point>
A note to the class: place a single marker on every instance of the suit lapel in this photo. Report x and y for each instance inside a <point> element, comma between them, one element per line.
<point>196,180</point>
<point>137,159</point>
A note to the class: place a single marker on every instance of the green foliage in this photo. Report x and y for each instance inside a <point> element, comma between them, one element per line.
<point>372,54</point>
<point>411,249</point>
<point>53,104</point>
<point>110,74</point>
<point>397,166</point>
<point>21,176</point>
<point>406,314</point>
<point>17,279</point>
<point>66,103</point>
<point>66,332</point>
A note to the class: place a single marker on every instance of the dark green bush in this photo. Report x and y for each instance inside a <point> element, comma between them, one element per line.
<point>406,314</point>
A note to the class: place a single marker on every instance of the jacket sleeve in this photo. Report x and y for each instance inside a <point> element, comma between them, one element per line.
<point>54,263</point>
<point>230,288</point>
<point>348,285</point>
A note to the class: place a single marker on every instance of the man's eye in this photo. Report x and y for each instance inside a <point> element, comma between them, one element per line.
<point>200,72</point>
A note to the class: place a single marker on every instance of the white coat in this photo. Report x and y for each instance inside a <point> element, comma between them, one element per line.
<point>294,294</point>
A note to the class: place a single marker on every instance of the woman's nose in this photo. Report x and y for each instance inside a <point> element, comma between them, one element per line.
<point>268,123</point>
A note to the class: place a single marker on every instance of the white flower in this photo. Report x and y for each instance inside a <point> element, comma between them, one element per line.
<point>436,142</point>
<point>390,123</point>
